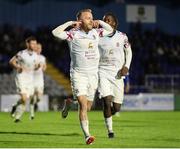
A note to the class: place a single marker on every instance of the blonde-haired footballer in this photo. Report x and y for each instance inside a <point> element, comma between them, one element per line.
<point>83,42</point>
<point>38,81</point>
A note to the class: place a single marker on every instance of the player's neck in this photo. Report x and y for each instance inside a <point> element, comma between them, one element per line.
<point>86,30</point>
<point>29,50</point>
<point>112,34</point>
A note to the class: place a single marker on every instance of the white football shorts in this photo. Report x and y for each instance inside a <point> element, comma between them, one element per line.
<point>84,84</point>
<point>39,85</point>
<point>24,86</point>
<point>113,87</point>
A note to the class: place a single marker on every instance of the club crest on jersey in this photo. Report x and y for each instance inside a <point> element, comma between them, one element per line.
<point>90,45</point>
<point>110,52</point>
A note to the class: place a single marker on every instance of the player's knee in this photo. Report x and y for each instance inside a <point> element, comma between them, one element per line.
<point>81,99</point>
<point>107,101</point>
<point>23,99</point>
<point>83,106</point>
<point>116,107</point>
<point>32,101</point>
<point>107,106</point>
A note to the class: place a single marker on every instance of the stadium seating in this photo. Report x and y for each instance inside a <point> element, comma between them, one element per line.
<point>154,52</point>
<point>51,87</point>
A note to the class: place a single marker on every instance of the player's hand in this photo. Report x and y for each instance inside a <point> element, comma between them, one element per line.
<point>127,88</point>
<point>19,69</point>
<point>37,66</point>
<point>123,71</point>
<point>77,24</point>
<point>96,23</point>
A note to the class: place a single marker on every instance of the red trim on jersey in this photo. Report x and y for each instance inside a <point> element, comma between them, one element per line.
<point>124,34</point>
<point>126,43</point>
<point>100,32</point>
<point>69,35</point>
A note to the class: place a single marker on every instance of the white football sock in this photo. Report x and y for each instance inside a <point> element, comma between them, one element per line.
<point>85,127</point>
<point>32,110</point>
<point>109,123</point>
<point>75,102</point>
<point>20,110</point>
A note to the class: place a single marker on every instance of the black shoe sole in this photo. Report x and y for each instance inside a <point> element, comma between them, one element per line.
<point>111,135</point>
<point>17,120</point>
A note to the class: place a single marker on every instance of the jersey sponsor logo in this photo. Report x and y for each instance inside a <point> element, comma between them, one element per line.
<point>90,45</point>
<point>111,52</point>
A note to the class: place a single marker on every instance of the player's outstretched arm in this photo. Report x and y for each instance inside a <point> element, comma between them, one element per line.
<point>107,29</point>
<point>60,30</point>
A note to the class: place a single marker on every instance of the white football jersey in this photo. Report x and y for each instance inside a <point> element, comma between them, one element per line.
<point>41,60</point>
<point>113,50</point>
<point>83,46</point>
<point>84,50</point>
<point>27,59</point>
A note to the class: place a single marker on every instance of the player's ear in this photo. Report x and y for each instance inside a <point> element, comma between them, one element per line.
<point>114,24</point>
<point>80,22</point>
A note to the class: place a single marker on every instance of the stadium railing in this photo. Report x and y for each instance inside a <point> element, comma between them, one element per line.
<point>163,83</point>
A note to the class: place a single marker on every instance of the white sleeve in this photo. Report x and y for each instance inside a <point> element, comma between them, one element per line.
<point>105,30</point>
<point>60,33</point>
<point>128,52</point>
<point>44,60</point>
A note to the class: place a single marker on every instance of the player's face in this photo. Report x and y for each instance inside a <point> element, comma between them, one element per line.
<point>32,45</point>
<point>109,20</point>
<point>38,48</point>
<point>87,20</point>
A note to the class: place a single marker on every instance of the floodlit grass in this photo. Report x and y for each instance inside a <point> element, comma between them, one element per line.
<point>132,129</point>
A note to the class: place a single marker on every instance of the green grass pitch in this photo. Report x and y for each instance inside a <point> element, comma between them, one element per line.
<point>132,129</point>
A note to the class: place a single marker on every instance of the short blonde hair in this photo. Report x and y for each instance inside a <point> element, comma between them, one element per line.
<point>78,15</point>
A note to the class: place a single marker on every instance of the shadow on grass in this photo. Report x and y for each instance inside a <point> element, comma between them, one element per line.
<point>44,134</point>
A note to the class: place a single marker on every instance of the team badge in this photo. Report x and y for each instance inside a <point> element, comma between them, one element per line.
<point>90,46</point>
<point>110,52</point>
